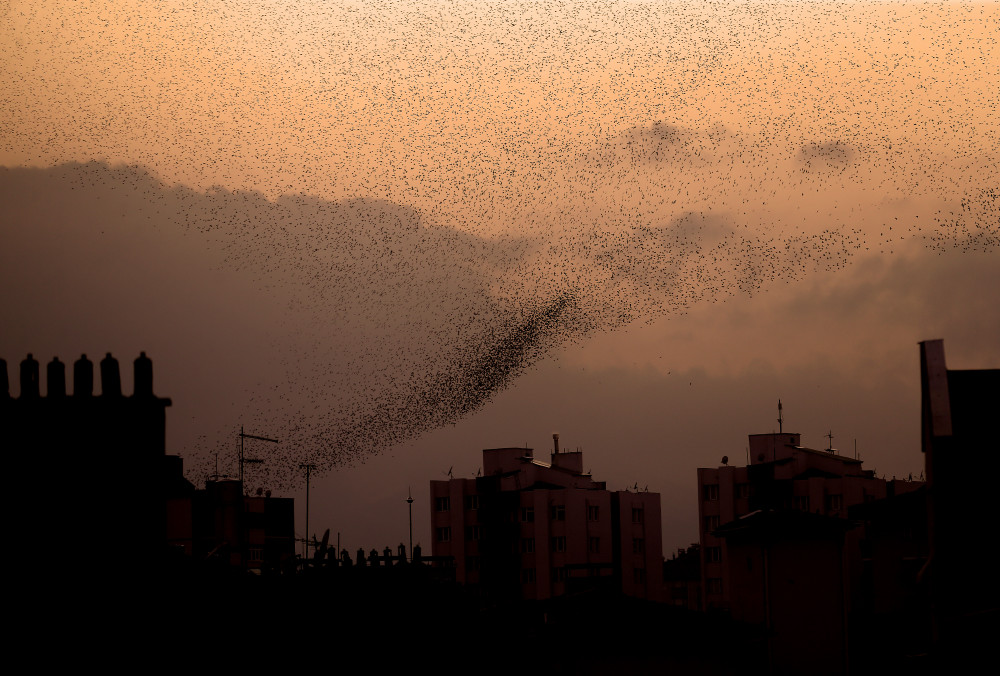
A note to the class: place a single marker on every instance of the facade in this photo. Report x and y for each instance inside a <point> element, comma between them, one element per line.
<point>534,530</point>
<point>782,475</point>
<point>254,533</point>
<point>788,574</point>
<point>682,578</point>
<point>98,457</point>
<point>959,414</point>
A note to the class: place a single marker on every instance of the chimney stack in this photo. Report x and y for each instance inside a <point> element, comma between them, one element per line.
<point>55,379</point>
<point>29,378</point>
<point>83,377</point>
<point>111,381</point>
<point>143,386</point>
<point>555,442</point>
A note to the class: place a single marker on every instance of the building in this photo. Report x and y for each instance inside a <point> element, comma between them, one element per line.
<point>253,533</point>
<point>959,414</point>
<point>89,469</point>
<point>788,573</point>
<point>94,472</point>
<point>535,530</point>
<point>682,578</point>
<point>782,475</point>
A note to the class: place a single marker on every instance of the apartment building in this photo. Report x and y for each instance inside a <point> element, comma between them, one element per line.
<point>534,530</point>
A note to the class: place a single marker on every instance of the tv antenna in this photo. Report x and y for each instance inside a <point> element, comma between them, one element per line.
<point>779,416</point>
<point>249,461</point>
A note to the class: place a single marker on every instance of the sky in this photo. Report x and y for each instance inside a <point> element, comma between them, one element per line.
<point>390,235</point>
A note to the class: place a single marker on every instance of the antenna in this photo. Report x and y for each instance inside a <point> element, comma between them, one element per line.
<point>829,435</point>
<point>779,416</point>
<point>249,461</point>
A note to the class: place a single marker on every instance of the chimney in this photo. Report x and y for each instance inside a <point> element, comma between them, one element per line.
<point>83,377</point>
<point>29,378</point>
<point>143,386</point>
<point>555,442</point>
<point>55,379</point>
<point>111,381</point>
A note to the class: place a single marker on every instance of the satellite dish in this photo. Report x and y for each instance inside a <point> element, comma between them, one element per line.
<point>725,460</point>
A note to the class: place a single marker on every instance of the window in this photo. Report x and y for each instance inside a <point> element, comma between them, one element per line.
<point>256,554</point>
<point>715,585</point>
<point>593,513</point>
<point>637,515</point>
<point>711,523</point>
<point>442,504</point>
<point>473,563</point>
<point>472,532</point>
<point>559,574</point>
<point>742,491</point>
<point>472,502</point>
<point>594,545</point>
<point>639,575</point>
<point>801,502</point>
<point>638,546</point>
<point>528,575</point>
<point>559,543</point>
<point>528,514</point>
<point>711,491</point>
<point>527,545</point>
<point>443,534</point>
<point>834,503</point>
<point>558,512</point>
<point>713,554</point>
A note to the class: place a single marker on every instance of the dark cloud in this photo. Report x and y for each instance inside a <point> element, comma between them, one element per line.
<point>826,156</point>
<point>347,327</point>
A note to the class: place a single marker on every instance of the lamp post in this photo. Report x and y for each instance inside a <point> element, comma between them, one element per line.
<point>308,467</point>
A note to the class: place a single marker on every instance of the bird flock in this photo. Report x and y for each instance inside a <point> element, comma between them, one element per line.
<point>441,193</point>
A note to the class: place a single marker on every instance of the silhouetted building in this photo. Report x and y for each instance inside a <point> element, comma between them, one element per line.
<point>682,578</point>
<point>787,572</point>
<point>959,414</point>
<point>252,533</point>
<point>89,470</point>
<point>782,475</point>
<point>890,614</point>
<point>533,530</point>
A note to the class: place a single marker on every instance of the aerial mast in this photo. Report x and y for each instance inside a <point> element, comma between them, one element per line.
<point>249,461</point>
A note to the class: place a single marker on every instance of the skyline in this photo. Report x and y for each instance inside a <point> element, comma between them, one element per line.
<point>186,182</point>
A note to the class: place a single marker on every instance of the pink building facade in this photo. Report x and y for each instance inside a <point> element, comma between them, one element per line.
<point>534,530</point>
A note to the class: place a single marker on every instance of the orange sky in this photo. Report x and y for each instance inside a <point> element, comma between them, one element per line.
<point>824,172</point>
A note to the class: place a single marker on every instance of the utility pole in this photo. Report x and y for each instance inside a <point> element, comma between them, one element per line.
<point>409,502</point>
<point>309,467</point>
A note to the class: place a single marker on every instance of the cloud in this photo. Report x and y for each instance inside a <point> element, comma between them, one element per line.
<point>826,156</point>
<point>344,327</point>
